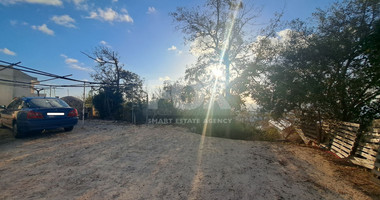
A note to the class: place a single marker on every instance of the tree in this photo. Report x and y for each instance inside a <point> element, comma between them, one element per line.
<point>117,86</point>
<point>135,96</point>
<point>132,86</point>
<point>328,69</point>
<point>217,32</point>
<point>108,68</point>
<point>108,103</point>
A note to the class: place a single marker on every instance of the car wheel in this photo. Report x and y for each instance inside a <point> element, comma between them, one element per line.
<point>70,128</point>
<point>17,133</point>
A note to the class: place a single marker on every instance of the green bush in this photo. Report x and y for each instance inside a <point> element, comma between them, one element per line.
<point>108,103</point>
<point>270,134</point>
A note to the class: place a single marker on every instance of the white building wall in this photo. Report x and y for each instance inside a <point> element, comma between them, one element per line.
<point>8,91</point>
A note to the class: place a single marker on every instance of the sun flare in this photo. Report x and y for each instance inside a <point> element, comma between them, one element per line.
<point>217,72</point>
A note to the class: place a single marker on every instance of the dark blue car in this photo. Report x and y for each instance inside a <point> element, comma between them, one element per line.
<point>29,114</point>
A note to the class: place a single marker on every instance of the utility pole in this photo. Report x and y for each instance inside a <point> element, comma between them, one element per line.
<point>38,90</point>
<point>133,113</point>
<point>84,101</point>
<point>147,106</point>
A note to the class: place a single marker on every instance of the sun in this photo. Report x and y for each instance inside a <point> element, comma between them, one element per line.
<point>217,72</point>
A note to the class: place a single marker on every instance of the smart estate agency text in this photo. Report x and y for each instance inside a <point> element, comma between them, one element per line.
<point>189,121</point>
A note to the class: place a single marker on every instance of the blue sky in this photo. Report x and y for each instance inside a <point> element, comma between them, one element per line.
<point>49,35</point>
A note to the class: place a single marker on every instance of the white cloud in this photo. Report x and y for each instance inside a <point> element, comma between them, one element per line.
<point>98,60</point>
<point>110,15</point>
<point>105,44</point>
<point>281,36</point>
<point>166,78</point>
<point>64,20</point>
<point>151,10</point>
<point>43,28</point>
<point>8,52</point>
<point>172,48</point>
<point>284,33</point>
<point>175,49</point>
<point>80,4</point>
<point>71,61</point>
<point>44,2</point>
<point>126,18</point>
<point>74,64</point>
<point>198,46</point>
<point>93,15</point>
<point>77,67</point>
<point>47,2</point>
<point>13,22</point>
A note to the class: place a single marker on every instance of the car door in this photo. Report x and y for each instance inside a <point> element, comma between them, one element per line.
<point>8,114</point>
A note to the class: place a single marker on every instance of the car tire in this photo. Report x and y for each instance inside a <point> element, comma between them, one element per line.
<point>68,129</point>
<point>17,133</point>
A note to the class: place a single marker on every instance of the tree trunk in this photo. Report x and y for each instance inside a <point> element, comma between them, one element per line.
<point>227,63</point>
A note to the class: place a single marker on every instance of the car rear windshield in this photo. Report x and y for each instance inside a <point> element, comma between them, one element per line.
<point>47,103</point>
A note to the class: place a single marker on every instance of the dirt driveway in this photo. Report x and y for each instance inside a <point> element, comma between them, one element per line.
<point>103,160</point>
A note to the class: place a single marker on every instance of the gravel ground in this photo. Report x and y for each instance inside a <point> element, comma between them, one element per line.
<point>105,160</point>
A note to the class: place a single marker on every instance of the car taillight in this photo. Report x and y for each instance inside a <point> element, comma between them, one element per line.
<point>34,115</point>
<point>73,113</point>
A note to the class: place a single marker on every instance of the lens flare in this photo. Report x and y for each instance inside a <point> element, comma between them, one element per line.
<point>217,73</point>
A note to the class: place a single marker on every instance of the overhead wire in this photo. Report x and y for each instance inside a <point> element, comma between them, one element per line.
<point>39,72</point>
<point>18,67</point>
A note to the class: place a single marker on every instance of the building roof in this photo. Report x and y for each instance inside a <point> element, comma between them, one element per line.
<point>17,73</point>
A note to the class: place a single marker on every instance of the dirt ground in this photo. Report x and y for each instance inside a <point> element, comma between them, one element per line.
<point>105,160</point>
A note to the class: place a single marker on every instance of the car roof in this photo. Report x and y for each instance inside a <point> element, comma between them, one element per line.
<point>28,98</point>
